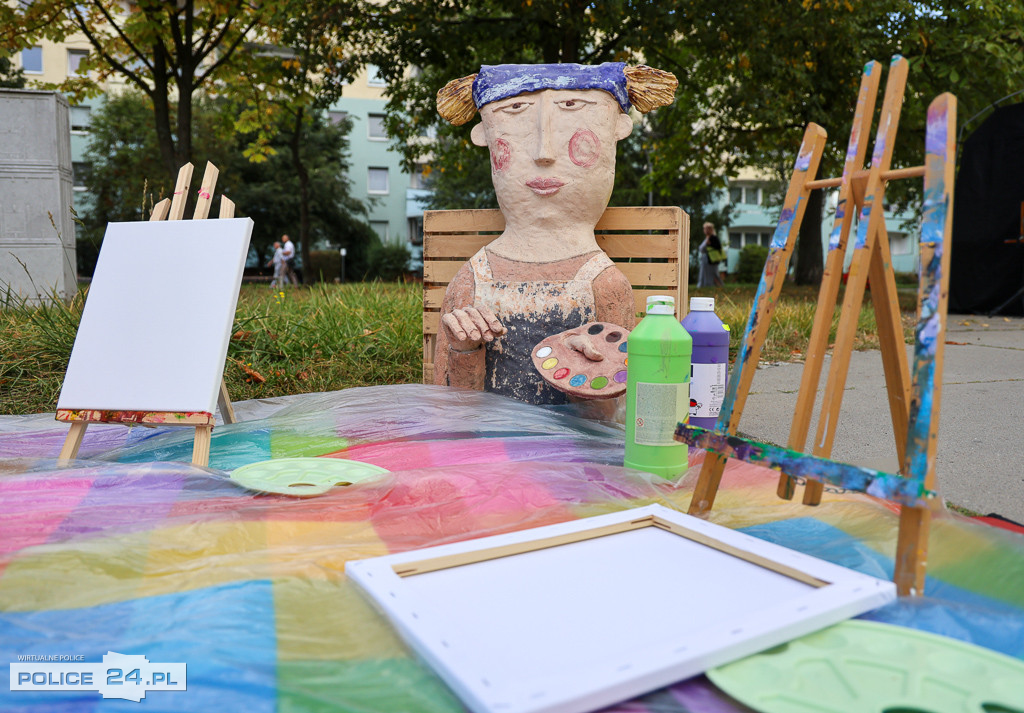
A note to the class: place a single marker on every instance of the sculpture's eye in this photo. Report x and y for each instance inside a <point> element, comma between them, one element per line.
<point>573,104</point>
<point>514,107</point>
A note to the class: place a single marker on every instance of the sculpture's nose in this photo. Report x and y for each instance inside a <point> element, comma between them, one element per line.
<point>542,152</point>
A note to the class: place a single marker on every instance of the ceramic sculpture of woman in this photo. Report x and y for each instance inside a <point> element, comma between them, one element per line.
<point>552,132</point>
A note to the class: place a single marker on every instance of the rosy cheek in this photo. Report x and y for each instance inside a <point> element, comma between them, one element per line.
<point>584,148</point>
<point>500,154</point>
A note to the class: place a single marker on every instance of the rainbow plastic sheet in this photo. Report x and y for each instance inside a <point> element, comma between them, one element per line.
<point>127,551</point>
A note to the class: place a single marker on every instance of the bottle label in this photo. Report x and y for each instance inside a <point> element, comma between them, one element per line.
<point>707,389</point>
<point>659,409</point>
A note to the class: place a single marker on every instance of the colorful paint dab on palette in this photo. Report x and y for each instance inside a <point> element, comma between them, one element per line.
<point>560,362</point>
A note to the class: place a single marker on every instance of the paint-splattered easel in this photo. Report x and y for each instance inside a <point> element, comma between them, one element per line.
<point>167,209</point>
<point>914,410</point>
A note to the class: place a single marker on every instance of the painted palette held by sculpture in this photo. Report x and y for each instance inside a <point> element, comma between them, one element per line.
<point>564,366</point>
<point>578,615</point>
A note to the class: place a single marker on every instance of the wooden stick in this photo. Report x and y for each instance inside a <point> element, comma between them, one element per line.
<point>891,343</point>
<point>201,446</point>
<point>227,411</point>
<point>896,173</point>
<point>72,442</point>
<point>160,210</point>
<point>761,311</point>
<point>177,211</point>
<point>929,347</point>
<point>872,216</point>
<point>828,293</point>
<point>205,193</point>
<point>227,207</point>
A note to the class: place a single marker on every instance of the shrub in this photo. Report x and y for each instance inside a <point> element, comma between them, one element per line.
<point>325,265</point>
<point>751,263</point>
<point>388,262</point>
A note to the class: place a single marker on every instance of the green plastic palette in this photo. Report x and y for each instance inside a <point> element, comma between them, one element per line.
<point>867,667</point>
<point>303,477</point>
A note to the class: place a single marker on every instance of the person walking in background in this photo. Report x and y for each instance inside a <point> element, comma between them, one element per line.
<point>288,255</point>
<point>710,254</point>
<point>278,262</point>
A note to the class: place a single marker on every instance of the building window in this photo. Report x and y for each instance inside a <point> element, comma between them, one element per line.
<point>378,180</point>
<point>32,60</point>
<point>899,243</point>
<point>748,195</point>
<point>381,228</point>
<point>418,179</point>
<point>79,173</point>
<point>738,240</point>
<point>373,77</point>
<point>375,126</point>
<point>416,230</point>
<point>75,58</point>
<point>337,117</point>
<point>81,117</point>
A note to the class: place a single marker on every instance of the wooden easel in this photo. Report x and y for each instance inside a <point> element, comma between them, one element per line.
<point>166,209</point>
<point>862,189</point>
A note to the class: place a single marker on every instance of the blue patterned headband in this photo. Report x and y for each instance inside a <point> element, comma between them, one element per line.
<point>641,87</point>
<point>502,81</point>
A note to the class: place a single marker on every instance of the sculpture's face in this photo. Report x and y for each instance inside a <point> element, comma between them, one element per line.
<point>553,153</point>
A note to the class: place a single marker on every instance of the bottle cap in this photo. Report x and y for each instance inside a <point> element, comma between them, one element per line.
<point>702,304</point>
<point>661,304</point>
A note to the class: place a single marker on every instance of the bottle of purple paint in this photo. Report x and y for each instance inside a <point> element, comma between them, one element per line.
<point>709,365</point>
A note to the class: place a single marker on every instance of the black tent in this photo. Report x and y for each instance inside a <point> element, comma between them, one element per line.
<point>988,271</point>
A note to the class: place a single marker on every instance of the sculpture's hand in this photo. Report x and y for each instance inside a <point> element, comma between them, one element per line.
<point>584,346</point>
<point>468,328</point>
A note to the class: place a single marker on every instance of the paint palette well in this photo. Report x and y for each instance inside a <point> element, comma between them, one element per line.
<point>565,367</point>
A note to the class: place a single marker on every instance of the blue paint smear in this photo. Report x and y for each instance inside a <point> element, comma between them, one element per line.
<point>501,81</point>
<point>225,635</point>
<point>786,219</point>
<point>862,225</point>
<point>837,226</point>
<point>803,162</point>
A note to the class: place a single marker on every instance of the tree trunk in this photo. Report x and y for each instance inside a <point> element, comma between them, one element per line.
<point>162,114</point>
<point>808,248</point>
<point>303,174</point>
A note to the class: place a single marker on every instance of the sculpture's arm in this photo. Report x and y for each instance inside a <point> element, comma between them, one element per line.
<point>459,358</point>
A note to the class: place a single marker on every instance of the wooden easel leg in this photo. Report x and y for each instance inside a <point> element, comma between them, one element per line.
<point>912,551</point>
<point>707,484</point>
<point>870,224</point>
<point>201,446</point>
<point>890,338</point>
<point>73,442</point>
<point>828,294</point>
<point>227,411</point>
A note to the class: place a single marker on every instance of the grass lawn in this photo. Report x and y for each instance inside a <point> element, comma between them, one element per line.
<point>330,337</point>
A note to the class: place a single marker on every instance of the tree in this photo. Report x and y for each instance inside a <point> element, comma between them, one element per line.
<point>772,67</point>
<point>312,60</point>
<point>126,178</point>
<point>10,77</point>
<point>169,51</point>
<point>752,75</point>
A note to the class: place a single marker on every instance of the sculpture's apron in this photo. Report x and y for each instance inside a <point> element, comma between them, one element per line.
<point>531,311</point>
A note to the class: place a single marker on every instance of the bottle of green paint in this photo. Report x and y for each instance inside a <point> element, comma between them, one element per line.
<point>657,390</point>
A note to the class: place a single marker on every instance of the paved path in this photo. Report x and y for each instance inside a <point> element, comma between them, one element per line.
<point>981,428</point>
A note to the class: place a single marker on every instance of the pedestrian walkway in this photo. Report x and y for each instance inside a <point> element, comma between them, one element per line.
<point>980,462</point>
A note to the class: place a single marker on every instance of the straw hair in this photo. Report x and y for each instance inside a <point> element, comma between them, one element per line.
<point>455,100</point>
<point>649,88</point>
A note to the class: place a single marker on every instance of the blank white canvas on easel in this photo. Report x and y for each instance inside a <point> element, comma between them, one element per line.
<point>578,626</point>
<point>157,320</point>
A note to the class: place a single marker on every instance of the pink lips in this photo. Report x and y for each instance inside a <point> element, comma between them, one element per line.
<point>545,186</point>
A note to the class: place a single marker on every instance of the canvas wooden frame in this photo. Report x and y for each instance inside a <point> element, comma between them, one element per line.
<point>542,645</point>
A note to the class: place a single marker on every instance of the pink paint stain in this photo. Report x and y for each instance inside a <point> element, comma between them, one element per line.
<point>584,148</point>
<point>500,155</point>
